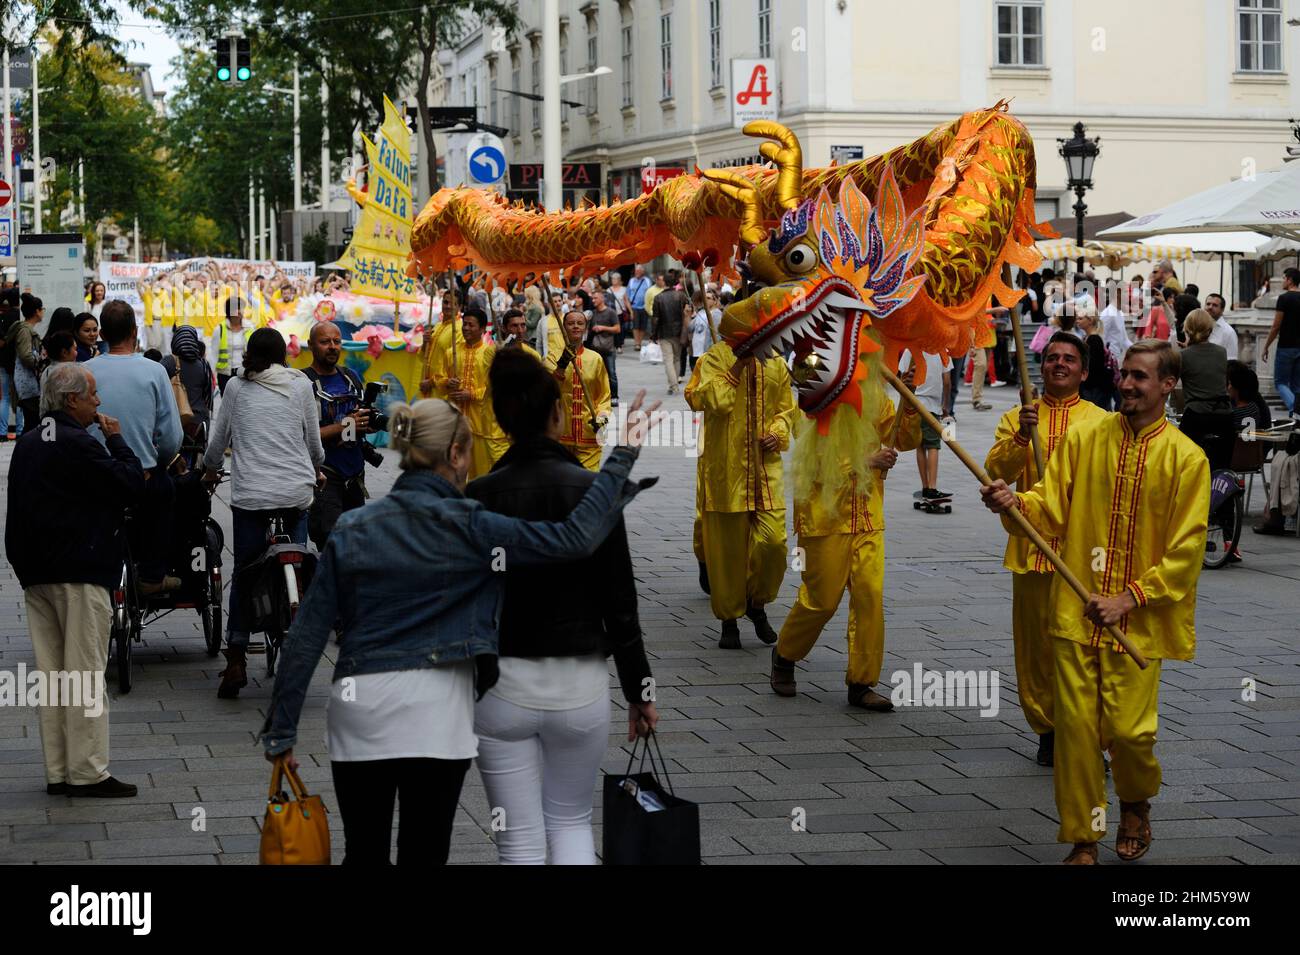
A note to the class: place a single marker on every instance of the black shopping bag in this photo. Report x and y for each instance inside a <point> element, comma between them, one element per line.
<point>644,824</point>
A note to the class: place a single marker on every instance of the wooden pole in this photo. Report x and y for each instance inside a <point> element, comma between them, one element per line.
<point>1022,364</point>
<point>1018,518</point>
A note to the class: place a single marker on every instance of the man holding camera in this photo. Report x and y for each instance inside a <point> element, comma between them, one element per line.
<point>345,419</point>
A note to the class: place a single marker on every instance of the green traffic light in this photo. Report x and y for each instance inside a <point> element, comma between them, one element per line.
<point>244,73</point>
<point>223,73</point>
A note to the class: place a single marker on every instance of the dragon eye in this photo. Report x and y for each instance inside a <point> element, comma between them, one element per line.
<point>800,258</point>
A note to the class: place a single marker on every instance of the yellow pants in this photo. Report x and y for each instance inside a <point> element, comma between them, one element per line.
<point>745,554</point>
<point>1103,702</point>
<point>831,563</point>
<point>1035,663</point>
<point>484,453</point>
<point>697,535</point>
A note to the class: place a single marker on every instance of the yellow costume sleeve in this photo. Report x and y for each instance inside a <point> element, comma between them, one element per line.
<point>1006,459</point>
<point>1047,503</point>
<point>596,378</point>
<point>909,426</point>
<point>713,387</point>
<point>1174,577</point>
<point>780,400</point>
<point>554,342</point>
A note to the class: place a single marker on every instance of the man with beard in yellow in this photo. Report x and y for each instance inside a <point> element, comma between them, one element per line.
<point>467,387</point>
<point>1130,495</point>
<point>1065,365</point>
<point>841,527</point>
<point>748,411</point>
<point>584,392</point>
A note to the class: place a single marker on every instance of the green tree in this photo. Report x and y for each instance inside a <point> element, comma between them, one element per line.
<point>93,116</point>
<point>365,51</point>
<point>221,136</point>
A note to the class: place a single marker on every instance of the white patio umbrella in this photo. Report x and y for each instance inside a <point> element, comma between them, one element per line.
<point>1268,203</point>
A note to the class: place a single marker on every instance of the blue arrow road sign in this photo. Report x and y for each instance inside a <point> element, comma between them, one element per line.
<point>487,164</point>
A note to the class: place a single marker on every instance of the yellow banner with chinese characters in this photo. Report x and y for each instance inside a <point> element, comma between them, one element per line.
<point>381,242</point>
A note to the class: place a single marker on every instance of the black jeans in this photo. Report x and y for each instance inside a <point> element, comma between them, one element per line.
<point>429,789</point>
<point>31,409</point>
<point>340,495</point>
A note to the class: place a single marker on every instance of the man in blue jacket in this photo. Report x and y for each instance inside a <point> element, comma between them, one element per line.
<point>63,544</point>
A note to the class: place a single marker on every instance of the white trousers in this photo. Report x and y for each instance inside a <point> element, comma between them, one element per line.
<point>539,769</point>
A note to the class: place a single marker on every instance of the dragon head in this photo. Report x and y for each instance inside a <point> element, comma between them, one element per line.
<point>827,273</point>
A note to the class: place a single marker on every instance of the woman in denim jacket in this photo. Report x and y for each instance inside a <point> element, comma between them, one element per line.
<point>415,582</point>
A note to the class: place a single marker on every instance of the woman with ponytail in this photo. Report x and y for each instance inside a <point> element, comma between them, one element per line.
<point>413,583</point>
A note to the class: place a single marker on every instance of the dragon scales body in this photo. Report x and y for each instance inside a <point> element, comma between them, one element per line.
<point>975,176</point>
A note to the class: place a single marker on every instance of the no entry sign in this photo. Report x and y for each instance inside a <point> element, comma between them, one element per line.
<point>5,193</point>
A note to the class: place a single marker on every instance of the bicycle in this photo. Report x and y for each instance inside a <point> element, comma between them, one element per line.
<point>196,559</point>
<point>272,583</point>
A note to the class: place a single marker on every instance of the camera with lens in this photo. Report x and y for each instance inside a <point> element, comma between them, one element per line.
<point>378,420</point>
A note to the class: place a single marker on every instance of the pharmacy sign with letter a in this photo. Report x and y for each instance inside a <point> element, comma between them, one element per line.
<point>753,91</point>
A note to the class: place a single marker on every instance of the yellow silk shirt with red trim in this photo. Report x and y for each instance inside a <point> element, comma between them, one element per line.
<point>733,473</point>
<point>1011,459</point>
<point>858,510</point>
<point>577,420</point>
<point>440,359</point>
<point>473,362</point>
<point>1132,509</point>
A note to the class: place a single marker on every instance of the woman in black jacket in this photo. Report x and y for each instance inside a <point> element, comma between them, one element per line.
<point>547,719</point>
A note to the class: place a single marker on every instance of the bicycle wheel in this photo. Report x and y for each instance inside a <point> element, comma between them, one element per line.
<point>211,613</point>
<point>1222,533</point>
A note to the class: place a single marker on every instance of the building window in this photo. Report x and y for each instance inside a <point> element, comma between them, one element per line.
<point>516,83</point>
<point>715,43</point>
<point>1259,36</point>
<point>627,60</point>
<point>592,51</point>
<point>537,89</point>
<point>493,100</point>
<point>666,55</point>
<point>1020,33</point>
<point>764,29</point>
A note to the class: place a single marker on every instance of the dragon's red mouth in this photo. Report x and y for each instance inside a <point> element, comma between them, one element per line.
<point>825,322</point>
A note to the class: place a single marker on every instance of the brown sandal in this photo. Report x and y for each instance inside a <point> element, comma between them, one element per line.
<point>1135,826</point>
<point>1083,853</point>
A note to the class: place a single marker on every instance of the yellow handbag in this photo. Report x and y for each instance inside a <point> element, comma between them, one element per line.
<point>295,831</point>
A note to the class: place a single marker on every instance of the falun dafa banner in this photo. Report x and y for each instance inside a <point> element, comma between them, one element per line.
<point>381,242</point>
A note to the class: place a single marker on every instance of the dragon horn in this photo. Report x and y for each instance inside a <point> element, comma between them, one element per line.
<point>788,157</point>
<point>738,187</point>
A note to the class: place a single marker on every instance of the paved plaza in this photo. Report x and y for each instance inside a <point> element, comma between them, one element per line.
<point>923,785</point>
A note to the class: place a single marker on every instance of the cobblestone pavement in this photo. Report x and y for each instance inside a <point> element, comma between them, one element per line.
<point>918,786</point>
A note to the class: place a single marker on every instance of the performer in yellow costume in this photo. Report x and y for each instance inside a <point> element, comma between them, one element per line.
<point>550,341</point>
<point>468,389</point>
<point>1011,459</point>
<point>1130,495</point>
<point>444,350</point>
<point>748,411</point>
<point>584,393</point>
<point>842,539</point>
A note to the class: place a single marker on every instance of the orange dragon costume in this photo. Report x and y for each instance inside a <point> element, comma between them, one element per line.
<point>839,281</point>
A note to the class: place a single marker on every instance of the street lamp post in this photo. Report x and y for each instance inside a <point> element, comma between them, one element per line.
<point>1079,154</point>
<point>552,152</point>
<point>297,135</point>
